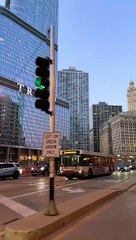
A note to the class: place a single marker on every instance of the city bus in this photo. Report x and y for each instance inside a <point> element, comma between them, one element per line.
<point>80,164</point>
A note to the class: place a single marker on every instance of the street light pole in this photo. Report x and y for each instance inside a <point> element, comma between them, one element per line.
<point>52,210</point>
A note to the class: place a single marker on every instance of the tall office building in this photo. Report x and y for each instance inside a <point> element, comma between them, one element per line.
<point>73,86</point>
<point>100,113</point>
<point>131,96</point>
<point>24,35</point>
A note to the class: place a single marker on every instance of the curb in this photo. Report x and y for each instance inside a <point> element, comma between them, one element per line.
<point>1,235</point>
<point>38,226</point>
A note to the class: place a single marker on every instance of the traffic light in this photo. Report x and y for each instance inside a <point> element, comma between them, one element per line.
<point>42,83</point>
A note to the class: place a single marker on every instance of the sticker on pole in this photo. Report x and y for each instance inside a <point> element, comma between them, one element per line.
<point>51,144</point>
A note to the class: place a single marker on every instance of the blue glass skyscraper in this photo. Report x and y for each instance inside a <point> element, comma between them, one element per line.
<point>24,35</point>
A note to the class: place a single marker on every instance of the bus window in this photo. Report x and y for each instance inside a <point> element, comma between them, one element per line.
<point>113,161</point>
<point>108,162</point>
<point>91,161</point>
<point>90,164</point>
<point>70,160</point>
<point>104,162</point>
<point>75,160</point>
<point>99,162</point>
<point>65,160</point>
<point>95,162</point>
<point>85,161</point>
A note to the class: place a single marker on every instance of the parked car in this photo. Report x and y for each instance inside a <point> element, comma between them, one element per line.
<point>40,169</point>
<point>123,168</point>
<point>8,170</point>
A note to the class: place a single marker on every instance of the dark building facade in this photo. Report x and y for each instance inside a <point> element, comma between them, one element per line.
<point>100,113</point>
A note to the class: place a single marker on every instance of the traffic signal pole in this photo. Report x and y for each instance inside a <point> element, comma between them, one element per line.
<point>52,210</point>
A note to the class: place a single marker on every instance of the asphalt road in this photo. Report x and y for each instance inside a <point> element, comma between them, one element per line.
<point>27,195</point>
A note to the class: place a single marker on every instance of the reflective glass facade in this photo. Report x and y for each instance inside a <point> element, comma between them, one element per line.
<point>38,13</point>
<point>22,125</point>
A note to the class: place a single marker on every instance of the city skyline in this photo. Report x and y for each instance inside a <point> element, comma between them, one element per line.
<point>98,37</point>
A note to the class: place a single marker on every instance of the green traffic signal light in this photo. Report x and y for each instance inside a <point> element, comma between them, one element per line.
<point>38,83</point>
<point>42,83</point>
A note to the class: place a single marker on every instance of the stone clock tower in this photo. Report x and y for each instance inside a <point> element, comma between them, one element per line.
<point>131,96</point>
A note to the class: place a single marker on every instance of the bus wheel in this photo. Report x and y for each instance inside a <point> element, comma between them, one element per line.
<point>90,173</point>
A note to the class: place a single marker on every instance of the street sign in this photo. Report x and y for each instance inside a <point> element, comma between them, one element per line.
<point>51,144</point>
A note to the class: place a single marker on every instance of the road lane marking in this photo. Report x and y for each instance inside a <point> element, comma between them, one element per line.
<point>38,184</point>
<point>108,180</point>
<point>16,207</point>
<point>56,187</point>
<point>27,194</point>
<point>5,186</point>
<point>47,189</point>
<point>70,190</point>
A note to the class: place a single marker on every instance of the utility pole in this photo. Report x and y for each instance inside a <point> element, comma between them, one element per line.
<point>52,210</point>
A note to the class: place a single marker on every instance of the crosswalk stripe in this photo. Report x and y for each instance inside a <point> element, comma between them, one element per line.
<point>109,180</point>
<point>16,207</point>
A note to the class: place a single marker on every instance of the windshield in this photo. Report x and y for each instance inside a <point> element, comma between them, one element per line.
<point>17,164</point>
<point>122,165</point>
<point>71,160</point>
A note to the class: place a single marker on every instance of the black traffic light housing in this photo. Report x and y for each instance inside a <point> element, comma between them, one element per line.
<point>43,83</point>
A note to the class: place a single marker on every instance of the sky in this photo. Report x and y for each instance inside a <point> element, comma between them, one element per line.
<point>99,37</point>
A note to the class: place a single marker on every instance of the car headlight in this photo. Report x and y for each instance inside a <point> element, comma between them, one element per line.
<point>42,168</point>
<point>126,168</point>
<point>32,168</point>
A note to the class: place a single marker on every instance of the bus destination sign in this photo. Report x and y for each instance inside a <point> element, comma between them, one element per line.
<point>51,144</point>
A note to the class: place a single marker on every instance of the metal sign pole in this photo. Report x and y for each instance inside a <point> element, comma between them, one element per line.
<point>52,210</point>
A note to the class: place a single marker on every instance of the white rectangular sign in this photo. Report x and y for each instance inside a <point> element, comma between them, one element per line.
<point>51,144</point>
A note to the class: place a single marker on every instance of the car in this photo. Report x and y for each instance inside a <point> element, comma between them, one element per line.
<point>8,170</point>
<point>40,169</point>
<point>123,168</point>
<point>19,168</point>
<point>133,167</point>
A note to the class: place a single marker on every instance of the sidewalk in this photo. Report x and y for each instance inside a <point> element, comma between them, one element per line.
<point>39,225</point>
<point>115,220</point>
<point>6,216</point>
